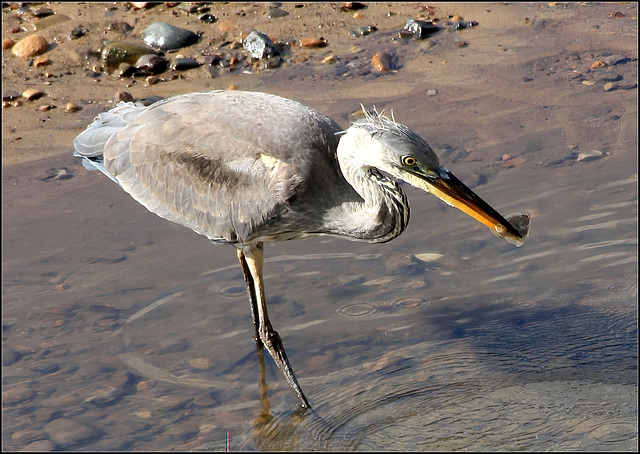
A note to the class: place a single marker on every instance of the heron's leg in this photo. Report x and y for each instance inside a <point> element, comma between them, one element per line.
<point>251,257</point>
<point>251,290</point>
<point>264,415</point>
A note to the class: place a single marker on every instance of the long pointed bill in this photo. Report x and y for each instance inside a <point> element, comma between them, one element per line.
<point>454,192</point>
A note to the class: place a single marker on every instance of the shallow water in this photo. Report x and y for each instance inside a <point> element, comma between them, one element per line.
<point>447,338</point>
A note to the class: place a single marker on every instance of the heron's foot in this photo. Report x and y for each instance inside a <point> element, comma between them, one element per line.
<point>272,342</point>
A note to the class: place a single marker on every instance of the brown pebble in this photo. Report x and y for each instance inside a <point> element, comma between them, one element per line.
<point>357,16</point>
<point>381,61</point>
<point>46,107</point>
<point>313,42</point>
<point>39,446</point>
<point>145,385</point>
<point>232,87</point>
<point>514,162</point>
<point>6,104</point>
<point>7,43</point>
<point>31,94</point>
<point>598,64</point>
<point>41,61</point>
<point>140,5</point>
<point>124,96</point>
<point>16,103</point>
<point>329,60</point>
<point>30,46</point>
<point>71,107</point>
<point>16,394</point>
<point>151,80</point>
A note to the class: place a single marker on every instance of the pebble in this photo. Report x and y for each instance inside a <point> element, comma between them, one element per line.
<point>64,432</point>
<point>428,256</point>
<point>30,46</point>
<point>121,27</point>
<point>432,92</point>
<point>461,25</point>
<point>51,21</point>
<point>277,12</point>
<point>43,12</point>
<point>260,45</point>
<point>200,363</point>
<point>71,107</point>
<point>329,60</point>
<point>420,29</point>
<point>118,52</point>
<point>381,61</point>
<point>152,63</point>
<point>612,60</point>
<point>610,86</point>
<point>105,396</point>
<point>17,394</point>
<point>151,80</point>
<point>140,5</point>
<point>39,446</point>
<point>608,77</point>
<point>124,96</point>
<point>313,42</point>
<point>10,356</point>
<point>41,61</point>
<point>31,94</point>
<point>598,64</point>
<point>7,43</point>
<point>163,36</point>
<point>28,436</point>
<point>10,95</point>
<point>589,155</point>
<point>208,18</point>
<point>78,32</point>
<point>512,162</point>
<point>182,64</point>
<point>363,30</point>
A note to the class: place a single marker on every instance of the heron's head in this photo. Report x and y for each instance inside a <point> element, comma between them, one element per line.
<point>379,142</point>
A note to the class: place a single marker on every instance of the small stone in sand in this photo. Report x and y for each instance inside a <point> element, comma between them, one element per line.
<point>30,46</point>
<point>31,94</point>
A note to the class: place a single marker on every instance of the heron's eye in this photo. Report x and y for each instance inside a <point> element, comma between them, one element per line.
<point>409,161</point>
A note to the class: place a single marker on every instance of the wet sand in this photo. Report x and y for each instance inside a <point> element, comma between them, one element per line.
<point>502,348</point>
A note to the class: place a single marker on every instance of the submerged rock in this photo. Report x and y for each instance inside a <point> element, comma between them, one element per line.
<point>116,53</point>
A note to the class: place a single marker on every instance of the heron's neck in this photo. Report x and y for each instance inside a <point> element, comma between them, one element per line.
<point>383,212</point>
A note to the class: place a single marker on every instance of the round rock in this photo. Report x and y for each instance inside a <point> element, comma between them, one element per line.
<point>30,46</point>
<point>65,432</point>
<point>162,36</point>
<point>260,45</point>
<point>17,394</point>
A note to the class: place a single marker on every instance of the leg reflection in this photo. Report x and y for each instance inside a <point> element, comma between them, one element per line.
<point>264,416</point>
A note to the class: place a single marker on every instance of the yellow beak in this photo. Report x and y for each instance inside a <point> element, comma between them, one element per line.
<point>448,188</point>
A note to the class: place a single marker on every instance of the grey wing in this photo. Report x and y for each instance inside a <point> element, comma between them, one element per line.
<point>223,164</point>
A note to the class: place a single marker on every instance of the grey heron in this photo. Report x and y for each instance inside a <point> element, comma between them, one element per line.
<point>244,168</point>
